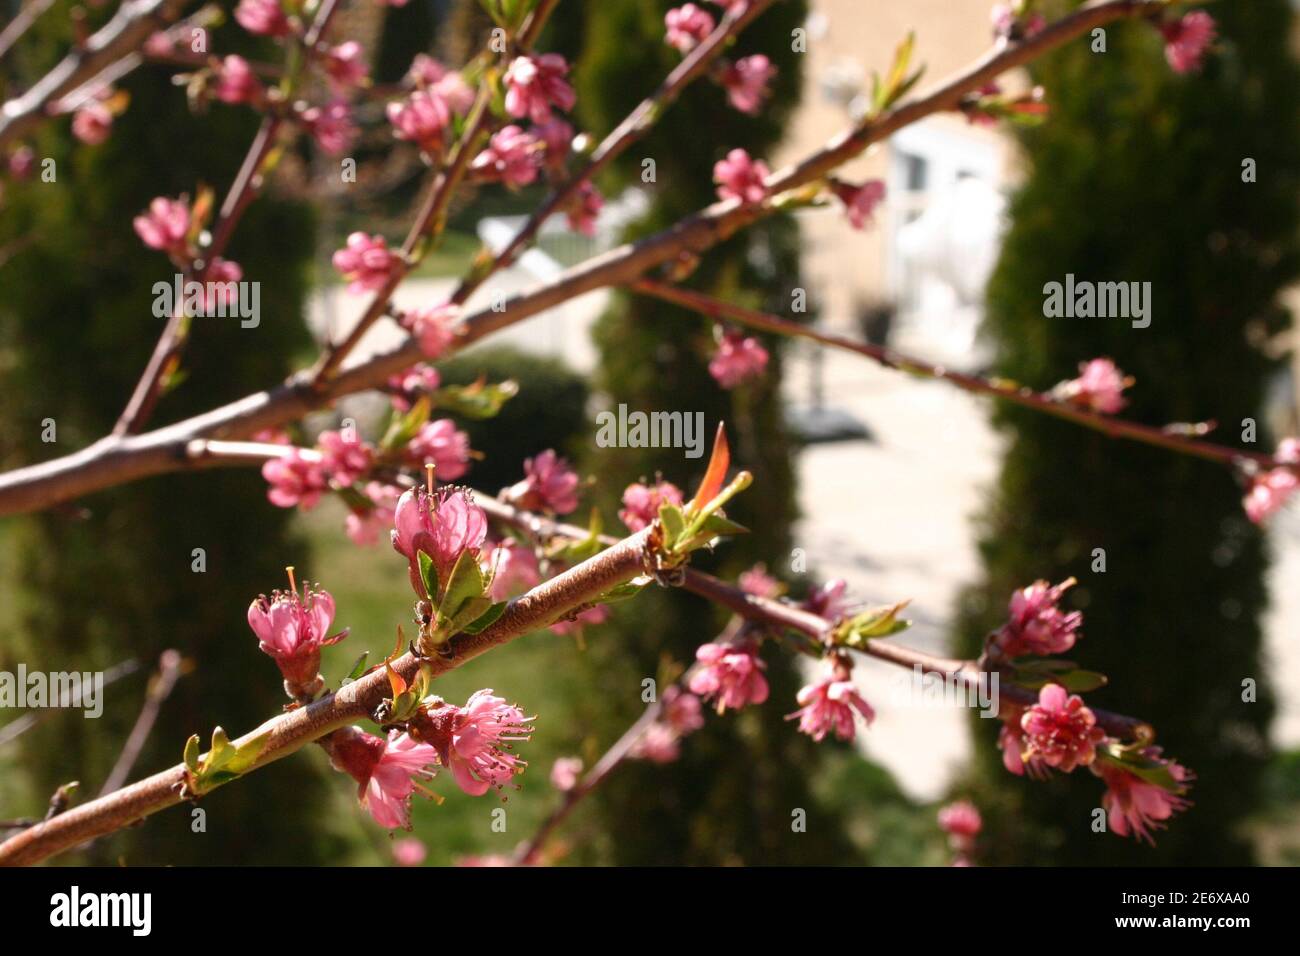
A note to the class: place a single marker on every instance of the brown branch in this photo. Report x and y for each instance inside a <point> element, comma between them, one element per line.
<point>1108,425</point>
<point>133,23</point>
<point>113,461</point>
<point>633,127</point>
<point>289,732</point>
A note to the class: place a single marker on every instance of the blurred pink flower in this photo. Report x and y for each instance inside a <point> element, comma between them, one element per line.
<point>738,359</point>
<point>434,328</point>
<point>659,743</point>
<point>1187,39</point>
<point>740,177</point>
<point>1098,387</point>
<point>366,262</point>
<point>262,17</point>
<point>758,582</point>
<point>535,84</point>
<point>442,443</point>
<point>92,123</point>
<point>409,852</point>
<point>565,773</point>
<point>511,156</point>
<point>164,226</point>
<point>550,484</point>
<point>687,26</point>
<point>365,527</point>
<point>641,503</point>
<point>960,819</point>
<point>583,208</point>
<point>1136,806</point>
<point>346,66</point>
<point>514,569</point>
<point>331,126</point>
<point>236,82</point>
<point>421,119</point>
<point>746,82</point>
<point>295,480</point>
<point>730,674</point>
<point>860,202</point>
<point>827,600</point>
<point>345,457</point>
<point>557,136</point>
<point>407,387</point>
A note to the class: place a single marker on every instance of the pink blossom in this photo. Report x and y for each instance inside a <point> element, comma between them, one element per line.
<point>740,177</point>
<point>345,457</point>
<point>425,70</point>
<point>1187,39</point>
<point>550,484</point>
<point>486,859</point>
<point>220,289</point>
<point>758,582</point>
<point>1098,387</point>
<point>421,119</point>
<point>960,819</point>
<point>409,852</point>
<point>366,262</point>
<point>262,17</point>
<point>292,629</point>
<point>1060,730</point>
<point>738,359</point>
<point>272,436</point>
<point>164,226</point>
<point>641,503</point>
<point>514,569</point>
<point>407,387</point>
<point>731,674</point>
<point>1008,25</point>
<point>574,624</point>
<point>442,443</point>
<point>565,773</point>
<point>331,126</point>
<point>659,744</point>
<point>474,742</point>
<point>535,84</point>
<point>746,82</point>
<point>92,123</point>
<point>346,66</point>
<point>829,705</point>
<point>444,525</point>
<point>828,600</point>
<point>455,92</point>
<point>294,479</point>
<point>159,44</point>
<point>386,771</point>
<point>236,82</point>
<point>434,328</point>
<point>512,156</point>
<point>557,136</point>
<point>1269,492</point>
<point>1136,806</point>
<point>860,202</point>
<point>584,207</point>
<point>21,162</point>
<point>365,526</point>
<point>682,711</point>
<point>1036,624</point>
<point>687,26</point>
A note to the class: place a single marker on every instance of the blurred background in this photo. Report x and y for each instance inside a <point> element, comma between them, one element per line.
<point>907,489</point>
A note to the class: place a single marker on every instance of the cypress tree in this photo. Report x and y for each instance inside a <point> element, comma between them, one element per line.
<point>1139,175</point>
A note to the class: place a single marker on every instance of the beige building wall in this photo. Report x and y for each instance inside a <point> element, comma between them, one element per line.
<point>848,39</point>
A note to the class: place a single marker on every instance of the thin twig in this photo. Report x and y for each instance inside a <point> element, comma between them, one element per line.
<point>170,668</point>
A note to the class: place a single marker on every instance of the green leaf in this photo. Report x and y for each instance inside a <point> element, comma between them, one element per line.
<point>1075,681</point>
<point>622,592</point>
<point>358,668</point>
<point>874,622</point>
<point>486,619</point>
<point>464,584</point>
<point>429,575</point>
<point>476,400</point>
<point>403,427</point>
<point>245,756</point>
<point>673,521</point>
<point>192,753</point>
